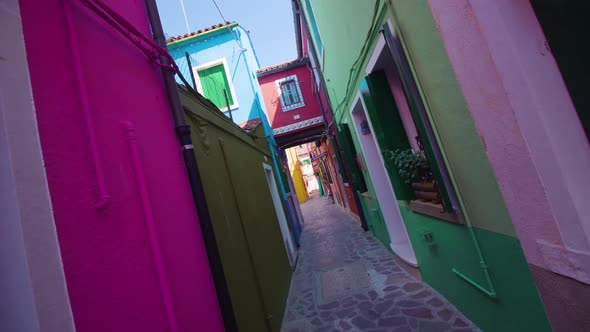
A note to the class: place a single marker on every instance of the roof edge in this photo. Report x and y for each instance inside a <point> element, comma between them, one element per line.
<point>181,39</point>
<point>281,67</point>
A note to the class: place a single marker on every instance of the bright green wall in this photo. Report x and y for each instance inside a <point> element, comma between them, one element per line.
<point>343,25</point>
<point>518,307</point>
<point>449,113</point>
<point>371,209</point>
<point>374,219</point>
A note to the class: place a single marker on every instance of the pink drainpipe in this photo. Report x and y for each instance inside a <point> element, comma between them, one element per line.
<point>150,222</point>
<point>103,197</point>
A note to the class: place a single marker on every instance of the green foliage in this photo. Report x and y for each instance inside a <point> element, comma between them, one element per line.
<point>411,165</point>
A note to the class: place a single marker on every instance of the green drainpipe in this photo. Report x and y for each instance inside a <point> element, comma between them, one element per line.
<point>490,290</point>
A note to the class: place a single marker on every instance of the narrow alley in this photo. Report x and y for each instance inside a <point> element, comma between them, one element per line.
<point>347,281</point>
<point>294,166</point>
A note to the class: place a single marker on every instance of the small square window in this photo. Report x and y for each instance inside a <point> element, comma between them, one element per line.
<point>290,93</point>
<point>213,84</point>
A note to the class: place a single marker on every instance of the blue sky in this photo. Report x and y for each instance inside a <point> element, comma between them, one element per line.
<point>270,23</point>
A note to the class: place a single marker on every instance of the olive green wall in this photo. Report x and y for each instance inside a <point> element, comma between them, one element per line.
<point>246,227</point>
<point>344,26</point>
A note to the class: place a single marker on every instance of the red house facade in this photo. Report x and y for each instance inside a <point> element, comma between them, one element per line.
<point>292,104</point>
<point>299,112</point>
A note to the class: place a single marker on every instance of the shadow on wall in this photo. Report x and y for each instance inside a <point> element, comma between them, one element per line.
<point>275,115</point>
<point>257,112</point>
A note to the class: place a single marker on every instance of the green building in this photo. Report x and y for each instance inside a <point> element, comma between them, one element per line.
<point>392,88</point>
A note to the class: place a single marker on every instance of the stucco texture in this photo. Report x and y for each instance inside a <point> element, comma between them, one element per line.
<point>277,116</point>
<point>466,157</point>
<point>235,47</point>
<point>108,253</point>
<point>251,244</point>
<point>32,282</point>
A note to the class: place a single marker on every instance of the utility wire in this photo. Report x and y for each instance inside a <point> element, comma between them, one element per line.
<point>188,29</point>
<point>219,10</point>
<point>225,21</point>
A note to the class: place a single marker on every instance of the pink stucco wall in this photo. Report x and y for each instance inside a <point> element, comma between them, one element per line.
<point>107,253</point>
<point>521,108</point>
<point>277,117</point>
<point>491,109</point>
<point>533,138</point>
<point>32,281</point>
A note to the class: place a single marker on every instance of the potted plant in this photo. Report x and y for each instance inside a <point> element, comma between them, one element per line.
<point>413,167</point>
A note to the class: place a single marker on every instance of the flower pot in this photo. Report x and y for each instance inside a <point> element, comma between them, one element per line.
<point>424,186</point>
<point>426,191</point>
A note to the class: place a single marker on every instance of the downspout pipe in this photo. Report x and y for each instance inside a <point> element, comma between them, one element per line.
<point>395,46</point>
<point>297,25</point>
<point>312,51</point>
<point>183,132</point>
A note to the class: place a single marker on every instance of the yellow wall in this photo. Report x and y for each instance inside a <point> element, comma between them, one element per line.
<point>297,176</point>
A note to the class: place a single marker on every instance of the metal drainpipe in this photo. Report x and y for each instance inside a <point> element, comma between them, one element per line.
<point>434,136</point>
<point>183,132</point>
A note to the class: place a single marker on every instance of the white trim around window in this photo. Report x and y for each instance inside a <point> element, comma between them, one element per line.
<point>214,63</point>
<point>290,107</point>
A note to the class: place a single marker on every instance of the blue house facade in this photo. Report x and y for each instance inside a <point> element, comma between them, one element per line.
<point>220,63</point>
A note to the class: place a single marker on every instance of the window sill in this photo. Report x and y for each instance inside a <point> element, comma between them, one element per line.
<point>432,210</point>
<point>366,195</point>
<point>292,107</point>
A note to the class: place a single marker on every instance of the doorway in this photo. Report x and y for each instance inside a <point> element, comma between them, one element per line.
<point>396,229</point>
<point>276,198</point>
<point>565,26</point>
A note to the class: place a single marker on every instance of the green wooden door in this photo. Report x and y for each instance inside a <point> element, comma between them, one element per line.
<point>214,82</point>
<point>388,127</point>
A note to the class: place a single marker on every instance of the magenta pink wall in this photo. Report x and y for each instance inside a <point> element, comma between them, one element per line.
<point>107,254</point>
<point>277,117</point>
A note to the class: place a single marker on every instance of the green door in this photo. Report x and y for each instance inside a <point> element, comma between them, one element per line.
<point>388,126</point>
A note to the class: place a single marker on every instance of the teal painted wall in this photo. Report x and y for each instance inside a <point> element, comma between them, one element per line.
<point>344,27</point>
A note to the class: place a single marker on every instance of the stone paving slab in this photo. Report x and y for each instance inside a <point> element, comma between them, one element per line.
<point>339,281</point>
<point>346,280</point>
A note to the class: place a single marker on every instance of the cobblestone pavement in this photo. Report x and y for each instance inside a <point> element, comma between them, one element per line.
<point>347,281</point>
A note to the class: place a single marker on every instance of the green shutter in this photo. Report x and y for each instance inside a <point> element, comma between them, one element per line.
<point>388,126</point>
<point>214,82</point>
<point>349,152</point>
<point>283,176</point>
<point>421,121</point>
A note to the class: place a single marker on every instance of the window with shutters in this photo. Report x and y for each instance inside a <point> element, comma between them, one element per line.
<point>289,93</point>
<point>213,83</point>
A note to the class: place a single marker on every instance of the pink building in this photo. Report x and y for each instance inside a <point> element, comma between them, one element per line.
<point>523,74</point>
<point>102,228</point>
